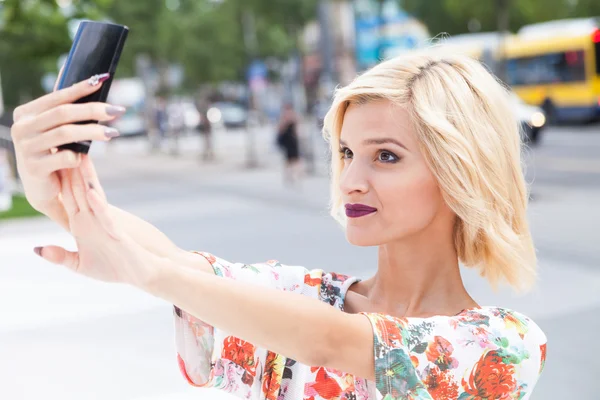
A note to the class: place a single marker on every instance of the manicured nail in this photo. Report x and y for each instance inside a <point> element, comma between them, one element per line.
<point>111,132</point>
<point>98,79</point>
<point>90,185</point>
<point>38,251</point>
<point>115,111</point>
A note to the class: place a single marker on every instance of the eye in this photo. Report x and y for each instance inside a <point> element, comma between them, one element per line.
<point>387,157</point>
<point>345,153</point>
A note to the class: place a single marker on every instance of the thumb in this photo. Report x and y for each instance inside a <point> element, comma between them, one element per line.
<point>58,255</point>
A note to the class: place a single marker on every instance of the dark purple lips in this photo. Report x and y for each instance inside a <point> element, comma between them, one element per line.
<point>358,210</point>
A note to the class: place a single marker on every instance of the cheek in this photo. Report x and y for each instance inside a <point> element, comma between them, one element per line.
<point>410,199</point>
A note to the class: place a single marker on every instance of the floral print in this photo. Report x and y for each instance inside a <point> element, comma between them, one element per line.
<point>490,378</point>
<point>242,354</point>
<point>480,354</point>
<point>440,384</point>
<point>543,352</point>
<point>439,352</point>
<point>271,384</point>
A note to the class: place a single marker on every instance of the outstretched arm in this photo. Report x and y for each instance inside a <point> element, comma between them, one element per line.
<point>291,324</point>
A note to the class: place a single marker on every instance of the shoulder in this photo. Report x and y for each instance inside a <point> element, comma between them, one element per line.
<point>503,339</point>
<point>501,324</point>
<point>471,333</point>
<point>477,345</point>
<point>490,328</point>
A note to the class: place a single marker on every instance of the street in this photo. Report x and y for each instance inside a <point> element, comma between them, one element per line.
<point>66,337</point>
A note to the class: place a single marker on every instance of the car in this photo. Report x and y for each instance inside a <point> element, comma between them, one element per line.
<point>132,123</point>
<point>131,94</point>
<point>191,116</point>
<point>227,114</point>
<point>531,118</point>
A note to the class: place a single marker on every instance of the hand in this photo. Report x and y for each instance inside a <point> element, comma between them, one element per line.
<point>146,234</point>
<point>46,123</point>
<point>105,251</point>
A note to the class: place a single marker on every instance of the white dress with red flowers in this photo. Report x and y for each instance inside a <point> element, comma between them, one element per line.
<point>480,354</point>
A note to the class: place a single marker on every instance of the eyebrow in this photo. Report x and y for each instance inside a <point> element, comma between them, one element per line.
<point>378,141</point>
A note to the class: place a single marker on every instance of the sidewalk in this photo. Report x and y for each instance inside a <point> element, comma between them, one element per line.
<point>127,164</point>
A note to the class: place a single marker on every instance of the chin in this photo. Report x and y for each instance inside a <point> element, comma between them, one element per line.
<point>362,238</point>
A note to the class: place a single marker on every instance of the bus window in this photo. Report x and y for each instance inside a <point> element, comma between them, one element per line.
<point>571,66</point>
<point>547,68</point>
<point>597,51</point>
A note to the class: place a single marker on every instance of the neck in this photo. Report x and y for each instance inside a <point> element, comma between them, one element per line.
<point>418,277</point>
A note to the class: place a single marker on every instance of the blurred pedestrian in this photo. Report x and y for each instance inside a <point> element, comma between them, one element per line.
<point>206,131</point>
<point>288,141</point>
<point>176,118</point>
<point>161,118</point>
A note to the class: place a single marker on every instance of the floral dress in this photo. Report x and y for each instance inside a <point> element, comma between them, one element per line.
<point>479,354</point>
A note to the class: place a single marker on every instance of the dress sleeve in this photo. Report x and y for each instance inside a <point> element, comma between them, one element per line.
<point>498,354</point>
<point>211,358</point>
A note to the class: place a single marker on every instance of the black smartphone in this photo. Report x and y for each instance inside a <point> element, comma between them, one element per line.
<point>96,49</point>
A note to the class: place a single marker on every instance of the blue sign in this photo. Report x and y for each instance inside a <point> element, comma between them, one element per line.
<point>257,71</point>
<point>257,76</point>
<point>381,33</point>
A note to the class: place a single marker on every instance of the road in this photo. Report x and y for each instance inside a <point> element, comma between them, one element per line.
<point>66,337</point>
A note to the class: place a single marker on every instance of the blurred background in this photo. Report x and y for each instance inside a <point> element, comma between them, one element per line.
<point>204,83</point>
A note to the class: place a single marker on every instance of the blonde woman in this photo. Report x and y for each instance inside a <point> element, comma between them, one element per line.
<point>428,170</point>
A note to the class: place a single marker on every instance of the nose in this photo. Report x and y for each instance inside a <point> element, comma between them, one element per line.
<point>354,178</point>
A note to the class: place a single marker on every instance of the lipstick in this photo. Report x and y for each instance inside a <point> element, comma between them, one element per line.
<point>358,210</point>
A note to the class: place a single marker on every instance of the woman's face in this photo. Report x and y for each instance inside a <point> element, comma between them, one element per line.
<point>387,188</point>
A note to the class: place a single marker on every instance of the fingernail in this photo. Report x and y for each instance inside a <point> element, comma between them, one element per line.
<point>38,251</point>
<point>98,79</point>
<point>115,111</point>
<point>111,132</point>
<point>90,185</point>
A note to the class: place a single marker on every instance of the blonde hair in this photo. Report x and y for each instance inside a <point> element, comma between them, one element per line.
<point>470,138</point>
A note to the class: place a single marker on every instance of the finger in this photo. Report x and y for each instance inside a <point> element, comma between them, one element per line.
<point>88,172</point>
<point>79,190</point>
<point>49,163</point>
<point>70,113</point>
<point>63,96</point>
<point>68,134</point>
<point>60,256</point>
<point>66,192</point>
<point>101,211</point>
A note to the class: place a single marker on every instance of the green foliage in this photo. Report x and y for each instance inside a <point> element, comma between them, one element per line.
<point>33,34</point>
<point>20,209</point>
<point>205,36</point>
<point>453,16</point>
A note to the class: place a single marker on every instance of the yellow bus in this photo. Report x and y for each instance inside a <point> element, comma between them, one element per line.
<point>482,46</point>
<point>556,65</point>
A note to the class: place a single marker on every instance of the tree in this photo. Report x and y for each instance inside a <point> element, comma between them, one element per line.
<point>586,8</point>
<point>453,16</point>
<point>33,35</point>
<point>205,36</point>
